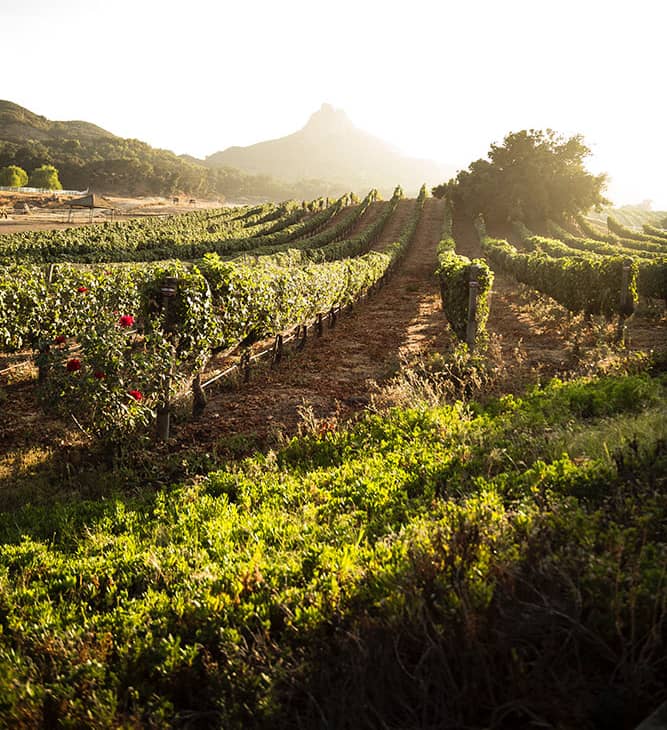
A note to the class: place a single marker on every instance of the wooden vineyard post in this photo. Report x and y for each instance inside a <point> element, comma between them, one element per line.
<point>302,339</point>
<point>199,399</point>
<point>473,291</point>
<point>320,325</point>
<point>626,303</point>
<point>42,361</point>
<point>43,346</point>
<point>332,317</point>
<point>277,351</point>
<point>168,292</point>
<point>245,366</point>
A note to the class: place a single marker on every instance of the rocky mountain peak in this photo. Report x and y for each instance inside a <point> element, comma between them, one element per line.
<point>328,119</point>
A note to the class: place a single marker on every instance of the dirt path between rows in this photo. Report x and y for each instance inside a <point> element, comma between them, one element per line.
<point>533,351</point>
<point>337,375</point>
<point>536,339</point>
<point>532,339</point>
<point>333,377</point>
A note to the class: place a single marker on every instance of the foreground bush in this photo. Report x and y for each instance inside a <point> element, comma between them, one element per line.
<point>447,567</point>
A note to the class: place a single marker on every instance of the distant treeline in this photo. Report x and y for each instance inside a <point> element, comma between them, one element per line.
<point>131,167</point>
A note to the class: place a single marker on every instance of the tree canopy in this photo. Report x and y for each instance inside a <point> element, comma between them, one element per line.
<point>534,175</point>
<point>45,176</point>
<point>13,176</point>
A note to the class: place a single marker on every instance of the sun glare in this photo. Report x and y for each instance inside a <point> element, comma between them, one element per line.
<point>442,81</point>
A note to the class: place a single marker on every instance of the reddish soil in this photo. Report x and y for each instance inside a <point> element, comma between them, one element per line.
<point>368,218</point>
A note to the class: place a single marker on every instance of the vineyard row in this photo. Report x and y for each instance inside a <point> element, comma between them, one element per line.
<point>115,343</point>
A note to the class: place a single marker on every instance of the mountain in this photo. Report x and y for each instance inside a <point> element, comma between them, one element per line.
<point>19,125</point>
<point>330,147</point>
<point>329,156</point>
<point>89,157</point>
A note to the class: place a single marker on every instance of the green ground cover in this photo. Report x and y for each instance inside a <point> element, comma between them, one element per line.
<point>455,566</point>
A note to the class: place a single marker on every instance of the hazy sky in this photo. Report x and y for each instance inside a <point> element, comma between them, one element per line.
<point>437,79</point>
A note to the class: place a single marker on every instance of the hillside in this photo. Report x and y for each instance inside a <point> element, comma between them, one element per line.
<point>328,157</point>
<point>18,124</point>
<point>331,147</point>
<point>88,156</point>
<point>633,216</point>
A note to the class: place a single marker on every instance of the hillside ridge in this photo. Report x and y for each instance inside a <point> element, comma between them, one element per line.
<point>328,156</point>
<point>15,120</point>
<point>331,147</point>
<point>88,156</point>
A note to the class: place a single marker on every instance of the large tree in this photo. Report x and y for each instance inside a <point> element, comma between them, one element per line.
<point>13,176</point>
<point>534,175</point>
<point>45,176</point>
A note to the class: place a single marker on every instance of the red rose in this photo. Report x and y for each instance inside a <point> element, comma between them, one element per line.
<point>99,375</point>
<point>326,427</point>
<point>127,320</point>
<point>60,339</point>
<point>135,394</point>
<point>82,289</point>
<point>73,365</point>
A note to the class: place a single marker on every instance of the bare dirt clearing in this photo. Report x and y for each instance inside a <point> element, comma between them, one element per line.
<point>50,212</point>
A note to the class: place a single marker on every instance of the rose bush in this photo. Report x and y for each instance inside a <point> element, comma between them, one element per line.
<point>126,353</point>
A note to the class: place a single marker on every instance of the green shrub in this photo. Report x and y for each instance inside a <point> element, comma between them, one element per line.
<point>13,176</point>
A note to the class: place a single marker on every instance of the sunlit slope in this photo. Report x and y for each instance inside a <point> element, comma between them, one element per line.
<point>629,215</point>
<point>330,147</point>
